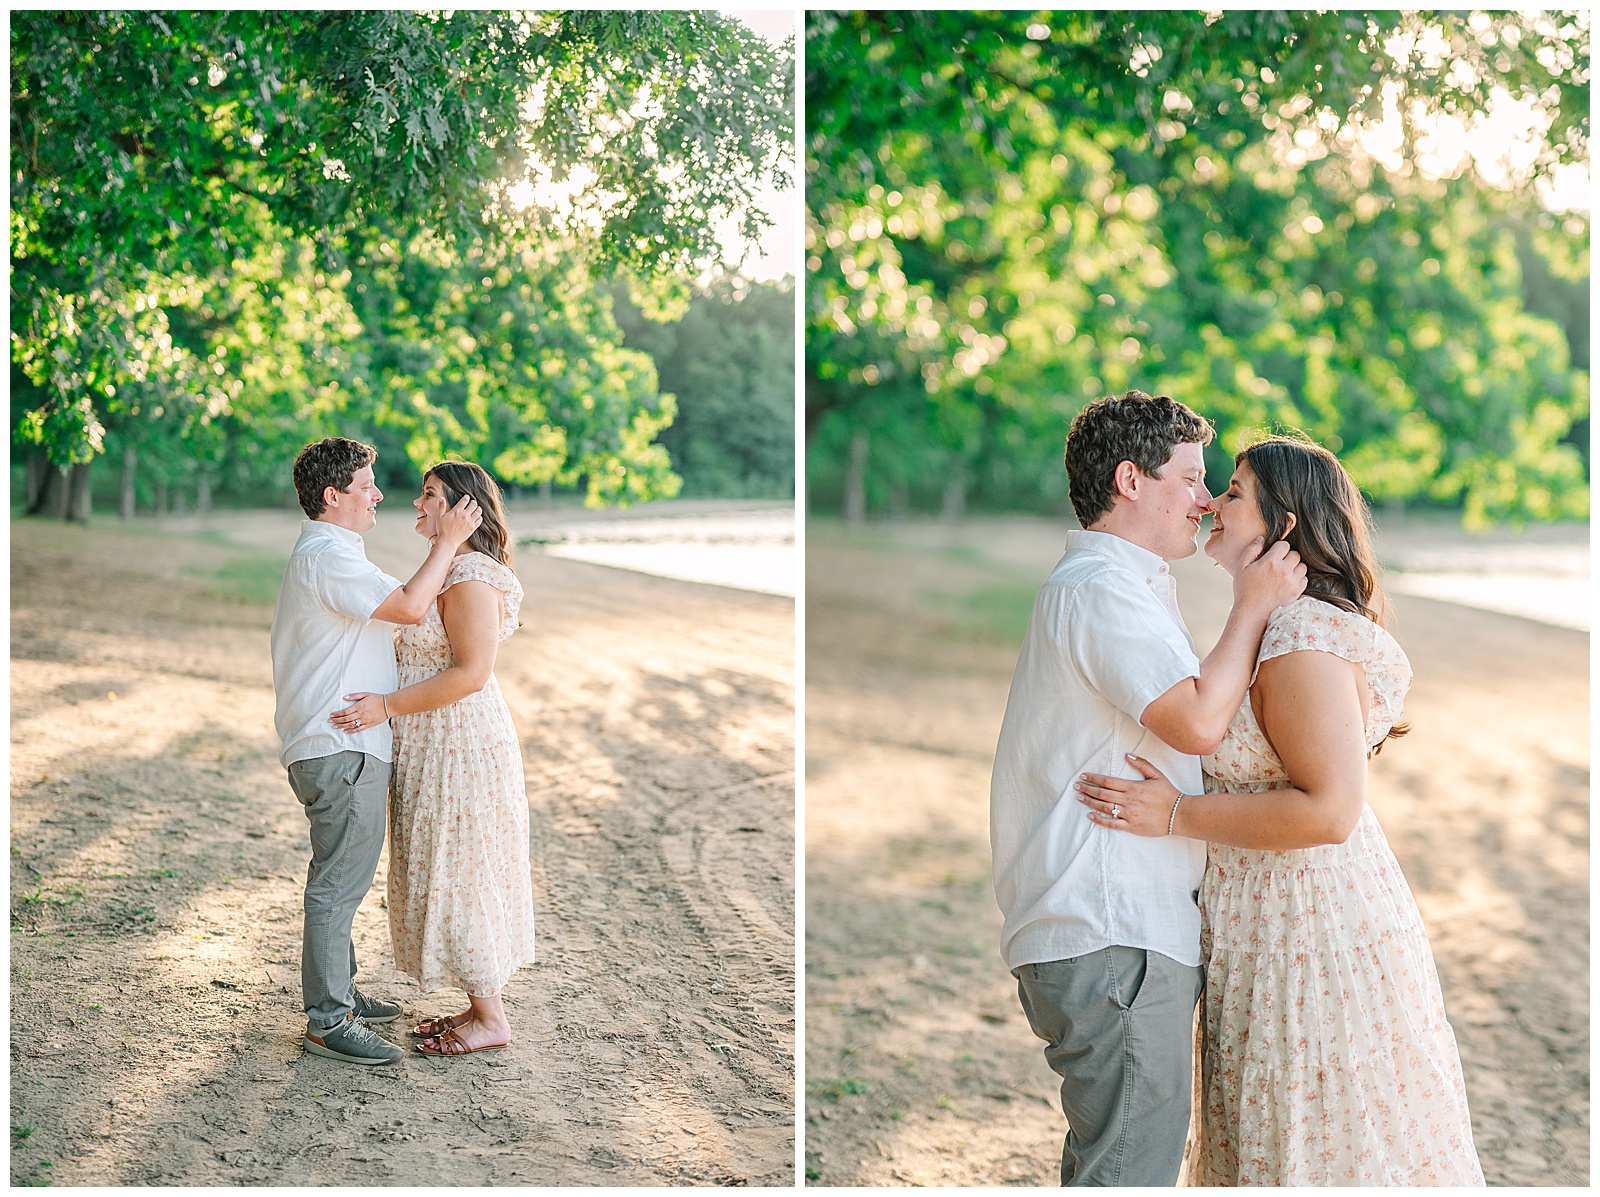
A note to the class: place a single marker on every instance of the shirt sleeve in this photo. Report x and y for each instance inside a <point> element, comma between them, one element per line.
<point>1125,645</point>
<point>348,584</point>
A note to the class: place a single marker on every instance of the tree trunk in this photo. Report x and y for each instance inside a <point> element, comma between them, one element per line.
<point>954,505</point>
<point>55,500</point>
<point>130,465</point>
<point>161,498</point>
<point>202,498</point>
<point>51,497</point>
<point>39,474</point>
<point>855,481</point>
<point>544,492</point>
<point>78,501</point>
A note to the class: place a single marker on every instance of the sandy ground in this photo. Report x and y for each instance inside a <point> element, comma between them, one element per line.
<point>920,1068</point>
<point>157,860</point>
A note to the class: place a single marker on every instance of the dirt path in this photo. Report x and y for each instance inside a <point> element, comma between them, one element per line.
<point>157,859</point>
<point>920,1068</point>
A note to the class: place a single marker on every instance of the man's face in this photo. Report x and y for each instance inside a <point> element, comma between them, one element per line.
<point>1173,503</point>
<point>355,507</point>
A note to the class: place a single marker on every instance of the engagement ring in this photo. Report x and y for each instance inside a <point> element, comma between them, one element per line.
<point>1116,810</point>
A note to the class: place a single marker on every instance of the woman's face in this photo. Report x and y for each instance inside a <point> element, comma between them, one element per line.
<point>430,505</point>
<point>1235,519</point>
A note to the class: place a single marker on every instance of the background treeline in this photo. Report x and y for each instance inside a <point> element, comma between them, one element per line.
<point>1010,214</point>
<point>234,232</point>
<point>725,369</point>
<point>730,364</point>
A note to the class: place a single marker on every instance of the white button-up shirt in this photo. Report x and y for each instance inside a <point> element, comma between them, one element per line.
<point>325,644</point>
<point>1104,640</point>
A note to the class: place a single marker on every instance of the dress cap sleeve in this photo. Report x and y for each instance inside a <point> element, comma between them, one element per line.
<point>1310,625</point>
<point>480,567</point>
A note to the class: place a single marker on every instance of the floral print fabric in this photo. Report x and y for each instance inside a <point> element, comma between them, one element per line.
<point>460,893</point>
<point>1325,1055</point>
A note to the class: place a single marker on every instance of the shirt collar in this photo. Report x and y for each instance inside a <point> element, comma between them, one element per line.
<point>1124,552</point>
<point>324,528</point>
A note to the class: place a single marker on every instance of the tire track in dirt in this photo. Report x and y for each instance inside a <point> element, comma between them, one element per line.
<point>157,860</point>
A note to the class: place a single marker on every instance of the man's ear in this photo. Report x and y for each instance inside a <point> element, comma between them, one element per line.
<point>330,496</point>
<point>1125,479</point>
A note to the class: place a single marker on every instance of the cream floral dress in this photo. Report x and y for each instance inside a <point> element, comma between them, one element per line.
<point>460,894</point>
<point>1325,1056</point>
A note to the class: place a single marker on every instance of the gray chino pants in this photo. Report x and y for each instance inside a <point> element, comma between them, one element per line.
<point>346,797</point>
<point>1119,1028</point>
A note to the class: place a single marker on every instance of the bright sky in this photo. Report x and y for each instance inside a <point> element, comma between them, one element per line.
<point>1501,143</point>
<point>778,252</point>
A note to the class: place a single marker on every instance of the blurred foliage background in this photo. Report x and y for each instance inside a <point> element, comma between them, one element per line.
<point>234,232</point>
<point>1010,214</point>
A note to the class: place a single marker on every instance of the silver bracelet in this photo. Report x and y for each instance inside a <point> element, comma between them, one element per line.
<point>385,699</point>
<point>1173,817</point>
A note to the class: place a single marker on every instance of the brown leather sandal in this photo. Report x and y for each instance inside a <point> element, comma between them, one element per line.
<point>439,1024</point>
<point>450,1044</point>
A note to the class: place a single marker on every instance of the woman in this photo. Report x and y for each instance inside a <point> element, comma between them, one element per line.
<point>1325,1054</point>
<point>460,895</point>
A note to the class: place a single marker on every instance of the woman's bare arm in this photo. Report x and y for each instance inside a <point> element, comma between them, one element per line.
<point>1311,708</point>
<point>1193,715</point>
<point>408,603</point>
<point>471,615</point>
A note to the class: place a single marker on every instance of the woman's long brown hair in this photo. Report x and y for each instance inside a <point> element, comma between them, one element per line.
<point>463,478</point>
<point>1332,527</point>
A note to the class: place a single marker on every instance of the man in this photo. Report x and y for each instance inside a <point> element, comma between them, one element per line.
<point>331,636</point>
<point>1102,930</point>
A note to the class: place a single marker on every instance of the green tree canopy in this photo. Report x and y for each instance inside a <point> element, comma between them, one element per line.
<point>1011,213</point>
<point>265,223</point>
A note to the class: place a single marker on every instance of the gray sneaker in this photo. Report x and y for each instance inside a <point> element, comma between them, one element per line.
<point>351,1040</point>
<point>374,1011</point>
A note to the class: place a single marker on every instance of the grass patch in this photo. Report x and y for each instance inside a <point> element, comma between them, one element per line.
<point>843,1088</point>
<point>253,578</point>
<point>44,895</point>
<point>999,610</point>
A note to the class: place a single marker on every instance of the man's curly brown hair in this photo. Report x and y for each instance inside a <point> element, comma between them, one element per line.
<point>1113,430</point>
<point>331,462</point>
